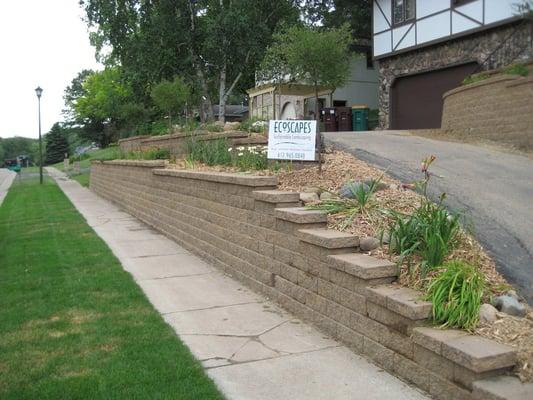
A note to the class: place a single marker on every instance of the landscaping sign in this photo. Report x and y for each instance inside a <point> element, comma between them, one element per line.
<point>292,140</point>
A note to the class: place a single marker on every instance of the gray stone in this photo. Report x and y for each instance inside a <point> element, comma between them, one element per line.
<point>309,197</point>
<point>326,196</point>
<point>509,305</point>
<point>348,189</point>
<point>379,185</point>
<point>513,294</point>
<point>487,314</point>
<point>368,243</point>
<point>311,189</point>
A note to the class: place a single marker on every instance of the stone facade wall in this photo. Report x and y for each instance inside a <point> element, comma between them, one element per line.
<point>499,108</point>
<point>259,235</point>
<point>476,47</point>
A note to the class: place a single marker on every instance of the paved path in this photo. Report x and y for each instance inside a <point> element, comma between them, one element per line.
<point>251,348</point>
<point>6,179</point>
<point>494,188</point>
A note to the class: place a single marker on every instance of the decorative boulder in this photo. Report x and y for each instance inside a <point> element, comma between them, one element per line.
<point>509,305</point>
<point>368,243</point>
<point>487,314</point>
<point>231,126</point>
<point>326,196</point>
<point>308,197</point>
<point>348,189</point>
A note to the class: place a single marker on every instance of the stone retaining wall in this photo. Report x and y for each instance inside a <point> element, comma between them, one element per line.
<point>499,108</point>
<point>262,236</point>
<point>176,143</point>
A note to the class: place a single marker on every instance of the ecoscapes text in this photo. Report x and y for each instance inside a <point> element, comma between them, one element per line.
<point>292,140</point>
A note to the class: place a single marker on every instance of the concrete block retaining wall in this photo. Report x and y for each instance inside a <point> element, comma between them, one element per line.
<point>498,108</point>
<point>243,225</point>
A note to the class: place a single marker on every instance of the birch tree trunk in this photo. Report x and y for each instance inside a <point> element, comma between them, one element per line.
<point>222,94</point>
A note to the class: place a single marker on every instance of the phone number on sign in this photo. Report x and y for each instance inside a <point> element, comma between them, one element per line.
<point>287,155</point>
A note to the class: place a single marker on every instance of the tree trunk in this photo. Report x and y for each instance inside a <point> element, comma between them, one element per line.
<point>222,94</point>
<point>318,134</point>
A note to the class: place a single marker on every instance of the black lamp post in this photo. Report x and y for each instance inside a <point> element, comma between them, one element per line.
<point>39,92</point>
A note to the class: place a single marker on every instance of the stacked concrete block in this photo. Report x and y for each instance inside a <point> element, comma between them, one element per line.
<point>261,236</point>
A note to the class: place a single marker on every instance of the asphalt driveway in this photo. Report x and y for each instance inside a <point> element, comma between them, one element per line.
<point>493,188</point>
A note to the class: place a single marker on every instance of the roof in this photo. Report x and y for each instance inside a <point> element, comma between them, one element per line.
<point>232,110</point>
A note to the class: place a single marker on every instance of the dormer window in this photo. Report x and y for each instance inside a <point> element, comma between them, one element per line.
<point>403,11</point>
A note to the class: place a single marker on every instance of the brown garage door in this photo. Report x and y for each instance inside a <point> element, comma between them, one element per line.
<point>416,101</point>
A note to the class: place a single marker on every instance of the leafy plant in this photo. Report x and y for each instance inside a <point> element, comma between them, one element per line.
<point>249,157</point>
<point>456,295</point>
<point>349,208</point>
<point>475,78</point>
<point>210,152</point>
<point>516,69</point>
<point>214,128</point>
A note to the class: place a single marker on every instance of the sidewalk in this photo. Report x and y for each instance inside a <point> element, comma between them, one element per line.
<point>6,179</point>
<point>250,347</point>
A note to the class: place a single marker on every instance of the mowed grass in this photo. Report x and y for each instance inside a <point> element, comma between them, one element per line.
<point>73,324</point>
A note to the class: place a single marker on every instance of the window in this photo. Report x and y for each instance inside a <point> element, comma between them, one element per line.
<point>403,11</point>
<point>457,3</point>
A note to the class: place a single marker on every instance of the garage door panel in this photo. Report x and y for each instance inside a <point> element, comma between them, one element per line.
<point>416,100</point>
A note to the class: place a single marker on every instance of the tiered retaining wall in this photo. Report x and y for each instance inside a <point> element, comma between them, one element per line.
<point>261,236</point>
<point>176,143</point>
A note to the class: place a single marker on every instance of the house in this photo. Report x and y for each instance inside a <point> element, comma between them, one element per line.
<point>287,100</point>
<point>234,113</point>
<point>427,47</point>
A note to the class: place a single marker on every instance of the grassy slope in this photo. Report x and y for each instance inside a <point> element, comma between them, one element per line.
<point>73,322</point>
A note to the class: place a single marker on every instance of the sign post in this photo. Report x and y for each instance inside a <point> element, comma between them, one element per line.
<point>292,140</point>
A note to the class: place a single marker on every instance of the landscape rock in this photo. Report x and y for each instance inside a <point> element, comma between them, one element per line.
<point>379,185</point>
<point>231,126</point>
<point>487,314</point>
<point>311,189</point>
<point>346,191</point>
<point>368,243</point>
<point>326,196</point>
<point>385,238</point>
<point>509,305</point>
<point>308,197</point>
<point>513,294</point>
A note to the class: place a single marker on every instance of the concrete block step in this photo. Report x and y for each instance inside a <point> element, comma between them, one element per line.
<point>363,266</point>
<point>401,300</point>
<point>276,196</point>
<point>328,238</point>
<point>300,215</point>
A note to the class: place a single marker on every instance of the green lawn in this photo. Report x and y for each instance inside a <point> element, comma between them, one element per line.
<point>73,324</point>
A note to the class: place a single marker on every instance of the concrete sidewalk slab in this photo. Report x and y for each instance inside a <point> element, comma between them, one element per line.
<point>251,348</point>
<point>6,179</point>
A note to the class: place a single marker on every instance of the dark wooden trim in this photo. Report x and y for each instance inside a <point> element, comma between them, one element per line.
<point>452,37</point>
<point>453,3</point>
<point>403,37</point>
<point>467,17</point>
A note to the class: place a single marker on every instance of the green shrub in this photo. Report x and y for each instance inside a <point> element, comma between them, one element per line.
<point>214,128</point>
<point>249,157</point>
<point>430,232</point>
<point>475,78</point>
<point>516,69</point>
<point>456,295</point>
<point>349,208</point>
<point>210,152</point>
<point>253,125</point>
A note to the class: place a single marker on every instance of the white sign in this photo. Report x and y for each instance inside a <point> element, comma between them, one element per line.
<point>292,140</point>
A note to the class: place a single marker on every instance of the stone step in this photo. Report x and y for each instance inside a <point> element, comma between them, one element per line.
<point>276,196</point>
<point>475,353</point>
<point>328,238</point>
<point>502,388</point>
<point>301,215</point>
<point>401,300</point>
<point>363,266</point>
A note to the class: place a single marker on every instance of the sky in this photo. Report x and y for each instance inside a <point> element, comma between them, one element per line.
<point>42,43</point>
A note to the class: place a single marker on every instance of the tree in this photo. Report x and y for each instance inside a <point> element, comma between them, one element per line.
<point>56,145</point>
<point>100,107</point>
<point>319,57</point>
<point>171,97</point>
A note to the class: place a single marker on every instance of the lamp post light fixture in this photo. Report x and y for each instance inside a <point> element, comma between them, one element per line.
<point>39,92</point>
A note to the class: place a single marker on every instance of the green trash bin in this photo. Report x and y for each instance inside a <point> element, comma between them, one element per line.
<point>360,117</point>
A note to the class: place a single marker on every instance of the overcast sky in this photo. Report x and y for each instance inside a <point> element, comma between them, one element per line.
<point>42,42</point>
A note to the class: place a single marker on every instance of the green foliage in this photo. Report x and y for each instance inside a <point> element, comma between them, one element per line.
<point>13,147</point>
<point>171,96</point>
<point>214,128</point>
<point>517,69</point>
<point>456,295</point>
<point>320,57</point>
<point>209,152</point>
<point>57,145</point>
<point>475,78</point>
<point>253,125</point>
<point>349,208</point>
<point>249,157</point>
